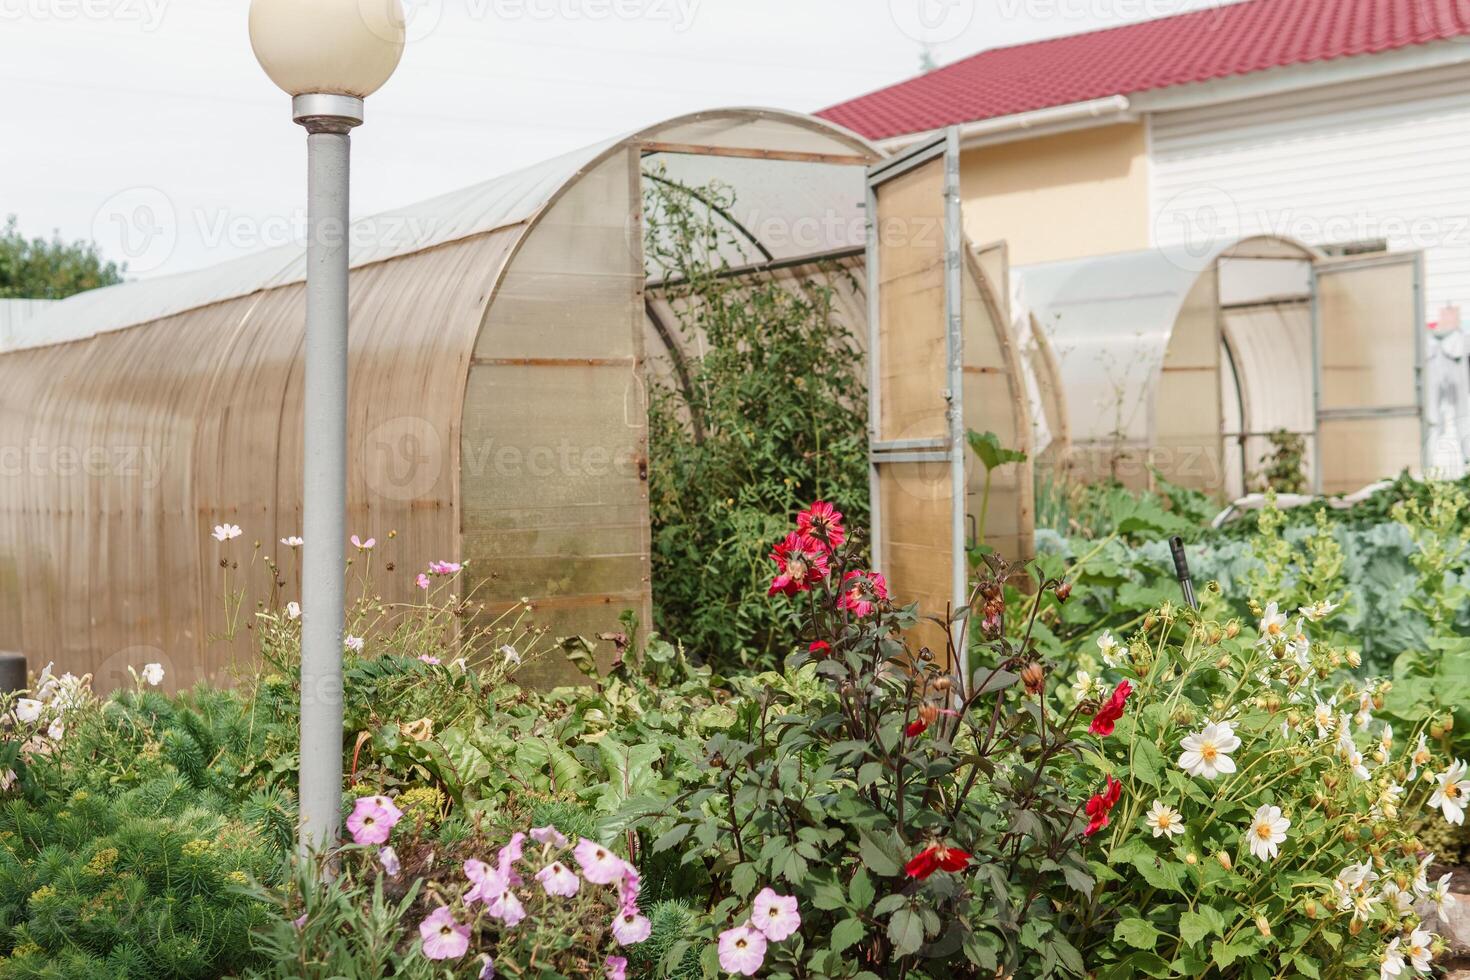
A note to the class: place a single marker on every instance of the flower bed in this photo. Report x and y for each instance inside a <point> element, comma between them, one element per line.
<point>1184,794</point>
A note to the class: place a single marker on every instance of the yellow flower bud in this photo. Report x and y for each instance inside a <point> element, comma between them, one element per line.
<point>1263,927</point>
<point>1224,860</point>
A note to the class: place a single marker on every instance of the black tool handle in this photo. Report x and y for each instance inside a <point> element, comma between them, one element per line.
<point>1181,569</point>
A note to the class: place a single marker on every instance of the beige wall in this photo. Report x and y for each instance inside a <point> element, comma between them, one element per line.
<point>1060,197</point>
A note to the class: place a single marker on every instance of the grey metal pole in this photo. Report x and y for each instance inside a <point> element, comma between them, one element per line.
<point>328,119</point>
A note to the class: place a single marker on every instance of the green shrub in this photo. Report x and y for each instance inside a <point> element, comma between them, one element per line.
<point>769,419</point>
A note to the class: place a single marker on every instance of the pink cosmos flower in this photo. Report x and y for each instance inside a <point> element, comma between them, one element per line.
<point>372,820</point>
<point>630,928</point>
<point>507,908</point>
<point>444,939</point>
<point>388,858</point>
<point>422,581</point>
<point>429,659</point>
<point>802,561</point>
<point>823,522</point>
<point>775,915</point>
<point>616,968</point>
<point>300,921</point>
<point>489,883</point>
<point>227,532</point>
<point>599,865</point>
<point>361,545</point>
<point>444,567</point>
<point>559,880</point>
<point>861,592</point>
<point>742,950</point>
<point>549,835</point>
<point>353,643</point>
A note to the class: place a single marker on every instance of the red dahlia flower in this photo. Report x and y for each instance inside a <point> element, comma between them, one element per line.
<point>802,561</point>
<point>1108,715</point>
<point>1101,805</point>
<point>819,648</point>
<point>861,592</point>
<point>823,522</point>
<point>936,857</point>
<point>928,714</point>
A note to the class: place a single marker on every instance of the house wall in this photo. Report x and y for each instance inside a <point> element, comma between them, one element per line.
<point>1063,196</point>
<point>1384,159</point>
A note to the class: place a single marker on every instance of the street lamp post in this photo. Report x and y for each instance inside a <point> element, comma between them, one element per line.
<point>328,55</point>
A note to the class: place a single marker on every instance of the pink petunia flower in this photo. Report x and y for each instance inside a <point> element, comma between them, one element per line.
<point>616,968</point>
<point>742,950</point>
<point>599,865</point>
<point>487,972</point>
<point>628,887</point>
<point>802,561</point>
<point>509,855</point>
<point>372,820</point>
<point>630,928</point>
<point>489,883</point>
<point>444,939</point>
<point>559,880</point>
<point>507,908</point>
<point>549,835</point>
<point>862,592</point>
<point>775,915</point>
<point>388,858</point>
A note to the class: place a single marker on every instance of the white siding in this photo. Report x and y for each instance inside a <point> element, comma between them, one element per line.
<point>1382,159</point>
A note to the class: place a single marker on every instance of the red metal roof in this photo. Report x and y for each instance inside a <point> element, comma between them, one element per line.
<point>1218,42</point>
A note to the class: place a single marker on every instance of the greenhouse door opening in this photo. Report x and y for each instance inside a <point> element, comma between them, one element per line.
<point>941,362</point>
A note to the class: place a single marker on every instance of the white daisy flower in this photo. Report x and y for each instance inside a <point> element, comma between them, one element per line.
<point>1441,895</point>
<point>1421,874</point>
<point>1399,902</point>
<point>1318,611</point>
<point>1111,650</point>
<point>1365,709</point>
<point>1451,793</point>
<point>1268,830</point>
<point>1355,762</point>
<point>1421,757</point>
<point>1272,627</point>
<point>1164,820</point>
<point>1416,948</point>
<point>1392,963</point>
<point>1323,715</point>
<point>1207,752</point>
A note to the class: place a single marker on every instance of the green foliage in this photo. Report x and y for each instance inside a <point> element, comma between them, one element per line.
<point>864,758</point>
<point>36,268</point>
<point>770,417</point>
<point>1284,468</point>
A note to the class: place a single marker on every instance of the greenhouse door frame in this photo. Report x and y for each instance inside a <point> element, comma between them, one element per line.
<point>950,447</point>
<point>1323,414</point>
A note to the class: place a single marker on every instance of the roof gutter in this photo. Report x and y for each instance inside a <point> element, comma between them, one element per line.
<point>1024,125</point>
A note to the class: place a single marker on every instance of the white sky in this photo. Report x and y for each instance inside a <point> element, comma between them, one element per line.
<point>148,126</point>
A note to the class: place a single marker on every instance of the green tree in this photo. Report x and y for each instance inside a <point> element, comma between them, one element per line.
<point>37,268</point>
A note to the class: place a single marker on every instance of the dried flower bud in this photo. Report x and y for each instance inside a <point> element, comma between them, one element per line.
<point>1150,621</point>
<point>1223,663</point>
<point>1034,678</point>
<point>1232,630</point>
<point>1380,831</point>
<point>1263,927</point>
<point>1063,591</point>
<point>1356,926</point>
<point>1224,859</point>
<point>1354,659</point>
<point>943,685</point>
<point>1215,637</point>
<point>1310,908</point>
<point>1350,833</point>
<point>1449,721</point>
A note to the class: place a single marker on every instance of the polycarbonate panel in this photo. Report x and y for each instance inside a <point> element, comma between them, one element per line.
<point>554,450</point>
<point>913,347</point>
<point>1370,333</point>
<point>1358,452</point>
<point>918,560</point>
